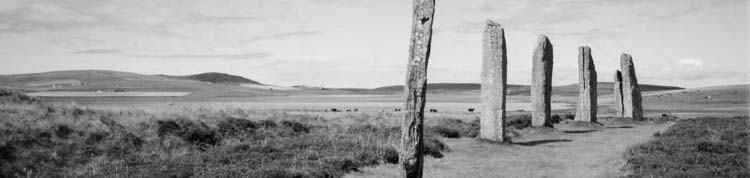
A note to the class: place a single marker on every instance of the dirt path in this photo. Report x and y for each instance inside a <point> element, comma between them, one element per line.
<point>567,151</point>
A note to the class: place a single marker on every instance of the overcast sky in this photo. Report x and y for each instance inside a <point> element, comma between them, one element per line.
<point>364,43</point>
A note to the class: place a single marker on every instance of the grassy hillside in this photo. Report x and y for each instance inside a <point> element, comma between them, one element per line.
<point>217,78</point>
<point>225,85</point>
<point>700,147</point>
<point>102,80</point>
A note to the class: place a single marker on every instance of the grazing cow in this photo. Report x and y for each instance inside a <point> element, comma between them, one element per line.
<point>471,109</point>
<point>397,110</point>
<point>334,110</point>
<point>348,110</point>
<point>356,110</point>
<point>433,110</point>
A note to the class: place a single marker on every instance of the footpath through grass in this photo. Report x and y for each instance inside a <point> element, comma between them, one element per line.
<point>700,147</point>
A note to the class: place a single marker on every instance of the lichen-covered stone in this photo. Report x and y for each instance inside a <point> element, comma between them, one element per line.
<point>541,83</point>
<point>586,110</point>
<point>415,91</point>
<point>493,90</point>
<point>631,92</point>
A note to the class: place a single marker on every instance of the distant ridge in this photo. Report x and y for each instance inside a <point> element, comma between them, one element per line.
<point>199,85</point>
<point>572,89</point>
<point>217,78</point>
<point>226,85</point>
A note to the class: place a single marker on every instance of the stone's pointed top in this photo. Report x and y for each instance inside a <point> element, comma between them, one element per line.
<point>625,57</point>
<point>543,43</point>
<point>491,23</point>
<point>542,38</point>
<point>584,49</point>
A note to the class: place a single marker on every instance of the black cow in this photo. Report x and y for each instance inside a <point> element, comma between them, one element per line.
<point>433,110</point>
<point>334,110</point>
<point>356,110</point>
<point>397,110</point>
<point>348,110</point>
<point>471,109</point>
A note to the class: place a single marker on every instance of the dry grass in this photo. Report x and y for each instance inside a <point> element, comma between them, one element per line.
<point>701,147</point>
<point>63,139</point>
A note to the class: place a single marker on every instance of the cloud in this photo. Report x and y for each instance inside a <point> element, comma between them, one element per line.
<point>281,35</point>
<point>25,16</point>
<point>693,62</point>
<point>4,26</point>
<point>98,51</point>
<point>42,15</point>
<point>592,34</point>
<point>217,18</point>
<point>240,56</point>
<point>690,64</point>
<point>687,69</point>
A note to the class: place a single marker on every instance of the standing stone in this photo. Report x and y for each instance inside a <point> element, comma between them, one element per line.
<point>631,92</point>
<point>411,156</point>
<point>541,83</point>
<point>618,94</point>
<point>494,64</point>
<point>586,110</point>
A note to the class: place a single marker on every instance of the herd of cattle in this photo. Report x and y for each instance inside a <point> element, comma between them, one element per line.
<point>395,110</point>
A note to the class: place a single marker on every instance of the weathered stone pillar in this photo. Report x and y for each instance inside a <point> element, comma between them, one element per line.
<point>631,92</point>
<point>618,94</point>
<point>493,90</point>
<point>541,83</point>
<point>586,110</point>
<point>411,158</point>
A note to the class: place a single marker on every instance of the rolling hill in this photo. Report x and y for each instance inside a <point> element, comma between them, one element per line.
<point>103,80</point>
<point>216,78</point>
<point>215,84</point>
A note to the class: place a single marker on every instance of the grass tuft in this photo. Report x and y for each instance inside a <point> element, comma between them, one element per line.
<point>700,147</point>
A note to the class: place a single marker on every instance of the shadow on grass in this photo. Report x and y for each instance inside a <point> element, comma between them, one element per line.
<point>539,142</point>
<point>578,131</point>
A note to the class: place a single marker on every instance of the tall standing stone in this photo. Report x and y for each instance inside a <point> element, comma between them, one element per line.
<point>411,157</point>
<point>586,110</point>
<point>618,94</point>
<point>631,92</point>
<point>493,90</point>
<point>541,83</point>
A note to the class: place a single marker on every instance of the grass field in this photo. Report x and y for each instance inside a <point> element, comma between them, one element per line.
<point>290,136</point>
<point>700,147</point>
<point>106,94</point>
<point>63,139</point>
